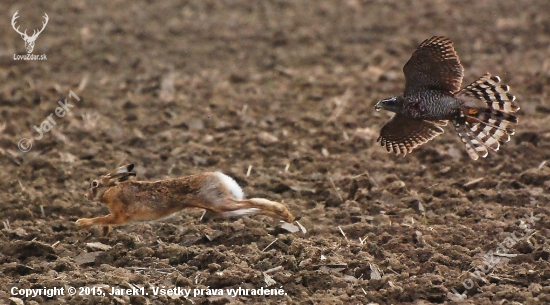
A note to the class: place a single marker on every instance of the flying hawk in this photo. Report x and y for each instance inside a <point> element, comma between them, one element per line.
<point>482,113</point>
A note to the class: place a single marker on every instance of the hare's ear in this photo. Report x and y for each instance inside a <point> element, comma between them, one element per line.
<point>125,168</point>
<point>123,173</point>
<point>126,177</point>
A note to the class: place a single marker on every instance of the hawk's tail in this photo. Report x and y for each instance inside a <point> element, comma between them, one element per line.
<point>490,125</point>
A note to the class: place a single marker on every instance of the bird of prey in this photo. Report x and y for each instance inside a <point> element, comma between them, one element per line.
<point>482,113</point>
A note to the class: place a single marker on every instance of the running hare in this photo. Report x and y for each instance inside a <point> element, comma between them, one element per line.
<point>131,200</point>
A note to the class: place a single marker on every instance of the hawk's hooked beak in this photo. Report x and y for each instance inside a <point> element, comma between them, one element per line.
<point>379,105</point>
<point>387,104</point>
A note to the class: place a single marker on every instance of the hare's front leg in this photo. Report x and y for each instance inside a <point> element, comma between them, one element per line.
<point>104,220</point>
<point>87,222</point>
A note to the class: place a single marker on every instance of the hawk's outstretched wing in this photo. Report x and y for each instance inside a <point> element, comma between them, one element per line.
<point>402,134</point>
<point>433,66</point>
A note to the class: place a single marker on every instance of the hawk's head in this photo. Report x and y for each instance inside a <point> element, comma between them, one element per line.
<point>393,104</point>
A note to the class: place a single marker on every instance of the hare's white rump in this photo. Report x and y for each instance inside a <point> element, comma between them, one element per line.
<point>231,185</point>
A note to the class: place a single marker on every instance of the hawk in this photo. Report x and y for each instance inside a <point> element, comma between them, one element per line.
<point>482,113</point>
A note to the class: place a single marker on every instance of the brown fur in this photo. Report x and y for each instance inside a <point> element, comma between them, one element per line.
<point>130,200</point>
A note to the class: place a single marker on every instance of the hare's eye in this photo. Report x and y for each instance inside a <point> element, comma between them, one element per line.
<point>95,183</point>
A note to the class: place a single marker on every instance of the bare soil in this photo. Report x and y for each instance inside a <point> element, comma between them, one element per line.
<point>284,90</point>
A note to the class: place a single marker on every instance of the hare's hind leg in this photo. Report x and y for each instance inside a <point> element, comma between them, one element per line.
<point>256,206</point>
<point>272,208</point>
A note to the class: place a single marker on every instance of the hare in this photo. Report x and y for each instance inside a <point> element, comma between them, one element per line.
<point>131,200</point>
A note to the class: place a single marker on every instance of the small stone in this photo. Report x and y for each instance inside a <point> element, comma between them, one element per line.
<point>199,161</point>
<point>350,279</point>
<point>195,124</point>
<point>265,138</point>
<point>214,234</point>
<point>98,246</point>
<point>290,227</point>
<point>87,258</point>
<point>16,301</point>
<point>222,125</point>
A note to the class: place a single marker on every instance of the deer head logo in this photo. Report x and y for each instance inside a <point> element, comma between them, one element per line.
<point>29,40</point>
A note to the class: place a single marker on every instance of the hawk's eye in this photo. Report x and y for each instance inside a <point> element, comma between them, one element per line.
<point>95,184</point>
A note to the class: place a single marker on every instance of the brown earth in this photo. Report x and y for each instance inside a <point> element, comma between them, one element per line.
<point>287,90</point>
